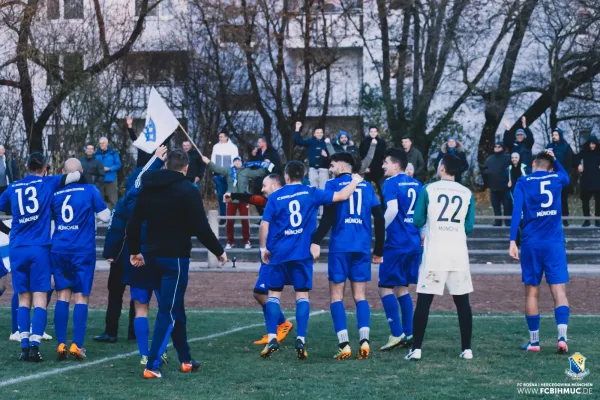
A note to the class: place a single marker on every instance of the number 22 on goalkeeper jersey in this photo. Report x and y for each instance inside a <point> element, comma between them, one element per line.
<point>75,208</point>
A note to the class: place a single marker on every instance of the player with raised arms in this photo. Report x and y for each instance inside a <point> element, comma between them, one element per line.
<point>289,220</point>
<point>537,198</point>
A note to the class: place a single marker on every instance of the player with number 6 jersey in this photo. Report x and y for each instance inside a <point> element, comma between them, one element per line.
<point>30,241</point>
<point>537,198</point>
<point>289,220</point>
<point>73,255</point>
<point>447,208</point>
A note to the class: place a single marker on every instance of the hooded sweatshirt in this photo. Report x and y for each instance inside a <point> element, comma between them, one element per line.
<point>173,211</point>
<point>562,150</point>
<point>590,177</point>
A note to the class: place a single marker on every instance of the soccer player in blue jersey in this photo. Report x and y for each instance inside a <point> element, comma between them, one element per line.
<point>289,220</point>
<point>144,280</point>
<point>537,198</point>
<point>30,241</point>
<point>350,250</point>
<point>402,251</point>
<point>73,255</point>
<point>271,183</point>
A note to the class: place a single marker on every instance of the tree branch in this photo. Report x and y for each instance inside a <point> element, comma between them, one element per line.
<point>584,116</point>
<point>101,29</point>
<point>9,83</point>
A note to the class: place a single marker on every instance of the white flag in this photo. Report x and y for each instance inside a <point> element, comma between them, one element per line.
<point>160,124</point>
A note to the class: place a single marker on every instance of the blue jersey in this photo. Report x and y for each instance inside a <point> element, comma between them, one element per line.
<point>292,216</point>
<point>401,233</point>
<point>352,218</point>
<point>30,200</point>
<point>74,208</point>
<point>538,197</point>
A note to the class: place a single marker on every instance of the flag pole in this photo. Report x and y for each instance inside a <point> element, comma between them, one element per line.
<point>191,141</point>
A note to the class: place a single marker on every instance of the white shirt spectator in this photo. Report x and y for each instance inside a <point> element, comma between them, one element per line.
<point>224,152</point>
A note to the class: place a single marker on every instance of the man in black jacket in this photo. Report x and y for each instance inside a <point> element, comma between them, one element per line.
<point>374,173</point>
<point>494,176</point>
<point>172,208</point>
<point>196,169</point>
<point>93,169</point>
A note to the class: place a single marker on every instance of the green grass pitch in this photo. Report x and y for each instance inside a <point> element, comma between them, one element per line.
<point>232,369</point>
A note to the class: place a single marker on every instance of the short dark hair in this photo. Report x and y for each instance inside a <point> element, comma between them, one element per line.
<point>451,164</point>
<point>36,162</point>
<point>224,132</point>
<point>544,160</point>
<point>278,178</point>
<point>397,156</point>
<point>343,157</point>
<point>374,127</point>
<point>295,170</point>
<point>177,160</point>
<point>406,137</point>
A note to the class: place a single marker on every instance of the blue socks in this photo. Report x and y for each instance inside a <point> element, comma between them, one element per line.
<point>40,318</point>
<point>406,306</point>
<point>24,319</point>
<point>392,313</point>
<point>61,320</point>
<point>281,318</point>
<point>14,306</point>
<point>142,332</point>
<point>561,314</point>
<point>80,315</point>
<point>363,317</point>
<point>338,314</point>
<point>302,313</point>
<point>272,311</point>
<point>533,323</point>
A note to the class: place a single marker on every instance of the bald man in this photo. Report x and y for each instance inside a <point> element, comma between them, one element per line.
<point>73,254</point>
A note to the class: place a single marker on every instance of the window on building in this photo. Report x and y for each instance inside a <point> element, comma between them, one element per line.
<point>73,9</point>
<point>158,68</point>
<point>241,102</point>
<point>164,9</point>
<point>53,69</point>
<point>52,9</point>
<point>72,66</point>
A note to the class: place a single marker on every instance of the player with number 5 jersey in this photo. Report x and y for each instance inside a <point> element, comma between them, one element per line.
<point>537,198</point>
<point>73,255</point>
<point>289,220</point>
<point>30,200</point>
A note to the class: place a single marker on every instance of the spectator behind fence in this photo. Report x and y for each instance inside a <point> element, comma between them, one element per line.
<point>564,155</point>
<point>494,176</point>
<point>318,161</point>
<point>142,156</point>
<point>374,173</point>
<point>196,167</point>
<point>521,142</point>
<point>93,169</point>
<point>238,178</point>
<point>8,170</point>
<point>588,161</point>
<point>454,147</point>
<point>112,163</point>
<point>264,152</point>
<point>223,154</point>
<point>414,157</point>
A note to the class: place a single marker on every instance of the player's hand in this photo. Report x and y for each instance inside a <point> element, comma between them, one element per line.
<point>265,256</point>
<point>327,140</point>
<point>315,251</point>
<point>205,160</point>
<point>227,198</point>
<point>524,121</point>
<point>323,153</point>
<point>580,168</point>
<point>129,121</point>
<point>551,154</point>
<point>376,259</point>
<point>106,169</point>
<point>368,170</point>
<point>161,152</point>
<point>137,260</point>
<point>506,125</point>
<point>223,259</point>
<point>357,178</point>
<point>513,250</point>
<point>298,126</point>
<point>509,184</point>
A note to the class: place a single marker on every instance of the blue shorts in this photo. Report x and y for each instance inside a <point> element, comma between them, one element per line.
<point>399,268</point>
<point>353,266</point>
<point>74,271</point>
<point>546,258</point>
<point>260,286</point>
<point>297,273</point>
<point>143,295</point>
<point>30,269</point>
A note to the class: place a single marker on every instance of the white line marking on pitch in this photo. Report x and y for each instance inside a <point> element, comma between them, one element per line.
<point>56,371</point>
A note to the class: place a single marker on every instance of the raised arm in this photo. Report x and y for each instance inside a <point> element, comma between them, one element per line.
<point>369,157</point>
<point>346,192</point>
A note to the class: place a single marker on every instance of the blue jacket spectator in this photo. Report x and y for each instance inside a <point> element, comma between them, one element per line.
<point>315,147</point>
<point>110,159</point>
